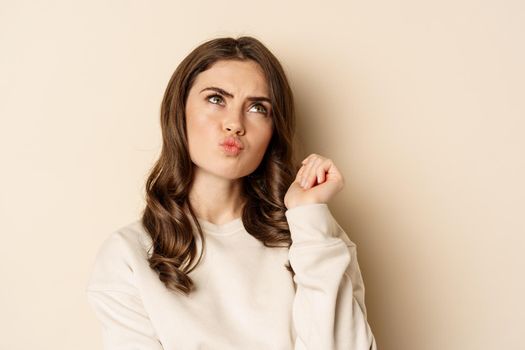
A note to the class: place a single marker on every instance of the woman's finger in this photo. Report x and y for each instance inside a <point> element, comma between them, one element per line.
<point>310,156</point>
<point>311,171</point>
<point>321,171</point>
<point>306,173</point>
<point>298,177</point>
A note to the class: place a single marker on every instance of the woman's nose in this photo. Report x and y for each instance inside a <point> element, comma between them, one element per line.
<point>235,128</point>
<point>234,122</point>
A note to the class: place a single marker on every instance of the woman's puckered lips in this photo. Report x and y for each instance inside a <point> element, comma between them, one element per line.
<point>232,141</point>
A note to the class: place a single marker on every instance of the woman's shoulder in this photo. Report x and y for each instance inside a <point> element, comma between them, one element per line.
<point>121,252</point>
<point>134,235</point>
<point>130,238</point>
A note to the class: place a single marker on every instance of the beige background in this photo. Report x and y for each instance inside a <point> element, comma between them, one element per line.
<point>419,103</point>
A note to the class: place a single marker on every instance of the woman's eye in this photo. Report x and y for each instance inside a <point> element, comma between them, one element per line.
<point>217,99</point>
<point>213,98</point>
<point>262,110</point>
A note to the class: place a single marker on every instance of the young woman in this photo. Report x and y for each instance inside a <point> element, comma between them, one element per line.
<point>274,270</point>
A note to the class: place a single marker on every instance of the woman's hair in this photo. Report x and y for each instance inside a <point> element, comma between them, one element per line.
<point>168,216</point>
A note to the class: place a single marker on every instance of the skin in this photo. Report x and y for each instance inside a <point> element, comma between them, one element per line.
<point>216,192</point>
<point>210,116</point>
<point>317,181</point>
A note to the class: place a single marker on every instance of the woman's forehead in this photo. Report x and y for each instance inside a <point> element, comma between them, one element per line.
<point>234,76</point>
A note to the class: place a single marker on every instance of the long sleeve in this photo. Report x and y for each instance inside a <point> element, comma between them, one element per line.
<point>116,301</point>
<point>328,310</point>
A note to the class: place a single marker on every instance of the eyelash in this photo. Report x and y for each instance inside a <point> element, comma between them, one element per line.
<point>265,112</point>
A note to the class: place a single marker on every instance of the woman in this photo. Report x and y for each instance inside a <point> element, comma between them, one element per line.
<point>274,269</point>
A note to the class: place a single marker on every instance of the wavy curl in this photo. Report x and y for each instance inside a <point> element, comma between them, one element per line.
<point>168,216</point>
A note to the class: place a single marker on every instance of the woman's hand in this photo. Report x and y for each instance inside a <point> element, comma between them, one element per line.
<point>321,181</point>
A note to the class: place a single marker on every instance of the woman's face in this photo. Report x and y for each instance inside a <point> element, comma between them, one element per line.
<point>229,99</point>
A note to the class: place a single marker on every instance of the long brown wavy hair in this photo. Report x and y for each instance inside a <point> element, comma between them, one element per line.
<point>168,216</point>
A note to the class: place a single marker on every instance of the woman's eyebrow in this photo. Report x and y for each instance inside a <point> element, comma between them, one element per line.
<point>226,93</point>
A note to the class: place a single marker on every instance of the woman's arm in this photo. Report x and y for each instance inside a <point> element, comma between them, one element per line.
<point>125,324</point>
<point>116,301</point>
<point>329,310</point>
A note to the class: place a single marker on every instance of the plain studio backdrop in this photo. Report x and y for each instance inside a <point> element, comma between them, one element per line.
<point>419,103</point>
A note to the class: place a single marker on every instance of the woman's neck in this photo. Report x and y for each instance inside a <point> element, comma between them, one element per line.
<point>217,200</point>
